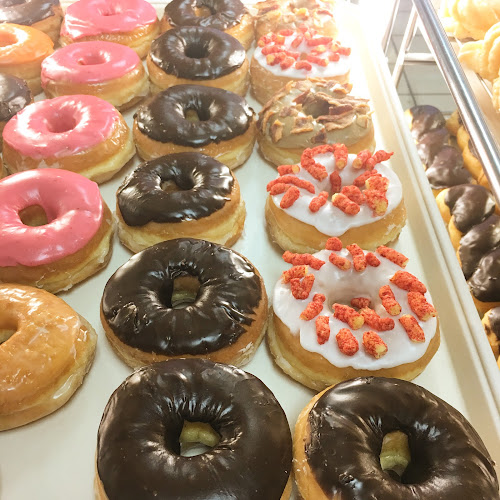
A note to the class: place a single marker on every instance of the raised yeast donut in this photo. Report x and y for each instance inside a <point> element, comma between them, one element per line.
<point>60,245</point>
<point>46,349</point>
<point>341,439</point>
<point>491,324</point>
<point>242,422</point>
<point>107,70</point>
<point>179,195</point>
<point>224,304</point>
<point>343,313</point>
<point>81,133</point>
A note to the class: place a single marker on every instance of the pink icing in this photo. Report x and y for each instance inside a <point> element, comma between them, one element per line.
<point>89,62</point>
<point>94,17</point>
<point>61,127</point>
<point>74,209</point>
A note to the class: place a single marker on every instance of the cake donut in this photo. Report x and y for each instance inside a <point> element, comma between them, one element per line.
<point>294,55</point>
<point>55,229</point>
<point>198,55</point>
<point>179,195</point>
<point>184,298</point>
<point>311,112</point>
<point>491,324</point>
<point>81,133</point>
<point>14,96</point>
<point>330,193</point>
<point>186,401</point>
<point>388,439</point>
<point>43,15</point>
<point>129,22</point>
<point>194,118</point>
<point>22,50</point>
<point>343,313</point>
<point>230,16</point>
<point>107,70</point>
<point>46,349</point>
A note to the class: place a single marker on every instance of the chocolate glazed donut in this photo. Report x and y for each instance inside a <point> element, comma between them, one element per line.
<point>27,12</point>
<point>343,429</point>
<point>138,449</point>
<point>224,322</point>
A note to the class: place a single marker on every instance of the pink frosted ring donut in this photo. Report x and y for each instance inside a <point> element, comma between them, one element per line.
<point>128,22</point>
<point>107,70</point>
<point>81,133</point>
<point>55,229</point>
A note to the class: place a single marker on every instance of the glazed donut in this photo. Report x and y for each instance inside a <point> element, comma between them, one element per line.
<point>46,349</point>
<point>388,439</point>
<point>454,122</point>
<point>22,50</point>
<point>198,55</point>
<point>311,112</point>
<point>185,401</point>
<point>332,193</point>
<point>14,96</point>
<point>61,244</point>
<point>491,324</point>
<point>294,55</point>
<point>81,133</point>
<point>193,118</point>
<point>43,15</point>
<point>390,330</point>
<point>107,70</point>
<point>473,164</point>
<point>224,311</point>
<point>179,195</point>
<point>275,15</point>
<point>128,22</point>
<point>230,16</point>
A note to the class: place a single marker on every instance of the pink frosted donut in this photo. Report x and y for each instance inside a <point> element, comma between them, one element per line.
<point>55,229</point>
<point>128,22</point>
<point>107,70</point>
<point>81,133</point>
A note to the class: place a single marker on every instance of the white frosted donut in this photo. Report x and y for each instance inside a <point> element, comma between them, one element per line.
<point>326,303</point>
<point>354,197</point>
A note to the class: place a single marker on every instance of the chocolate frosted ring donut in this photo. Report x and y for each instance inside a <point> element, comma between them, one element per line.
<point>184,194</point>
<point>193,54</point>
<point>224,313</point>
<point>339,446</point>
<point>138,445</point>
<point>196,118</point>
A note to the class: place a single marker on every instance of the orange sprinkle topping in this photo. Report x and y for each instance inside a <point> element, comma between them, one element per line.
<point>413,329</point>
<point>301,288</point>
<point>354,194</point>
<point>361,157</point>
<point>358,257</point>
<point>333,243</point>
<point>288,169</point>
<point>343,203</point>
<point>314,307</point>
<point>393,255</point>
<point>347,342</point>
<point>373,320</point>
<point>335,182</point>
<point>360,181</point>
<point>322,329</point>
<point>348,315</point>
<point>377,157</point>
<point>419,305</point>
<point>290,197</point>
<point>293,272</point>
<point>361,302</point>
<point>279,188</point>
<point>374,345</point>
<point>372,259</point>
<point>298,259</point>
<point>377,201</point>
<point>389,302</point>
<point>292,179</point>
<point>408,282</point>
<point>318,201</point>
<point>377,183</point>
<point>340,262</point>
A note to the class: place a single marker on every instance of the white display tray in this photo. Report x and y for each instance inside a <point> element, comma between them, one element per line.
<point>54,458</point>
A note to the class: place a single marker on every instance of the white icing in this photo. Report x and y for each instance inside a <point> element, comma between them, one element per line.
<point>342,286</point>
<point>329,219</point>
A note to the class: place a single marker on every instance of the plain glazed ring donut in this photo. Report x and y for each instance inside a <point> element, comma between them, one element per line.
<point>194,54</point>
<point>251,451</point>
<point>341,439</point>
<point>81,133</point>
<point>107,70</point>
<point>185,298</point>
<point>61,244</point>
<point>46,349</point>
<point>176,196</point>
<point>230,16</point>
<point>307,113</point>
<point>343,313</point>
<point>193,118</point>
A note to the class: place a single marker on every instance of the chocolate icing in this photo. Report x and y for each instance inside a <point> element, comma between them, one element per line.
<point>447,169</point>
<point>431,143</point>
<point>197,53</point>
<point>26,12</point>
<point>137,299</point>
<point>138,451</point>
<point>14,96</point>
<point>223,116</point>
<point>205,185</point>
<point>425,119</point>
<point>469,205</point>
<point>485,282</point>
<point>493,324</point>
<point>348,423</point>
<point>224,13</point>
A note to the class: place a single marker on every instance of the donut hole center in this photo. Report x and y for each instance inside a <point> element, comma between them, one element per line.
<point>196,115</point>
<point>197,438</point>
<point>92,60</point>
<point>33,216</point>
<point>395,456</point>
<point>7,39</point>
<point>8,327</point>
<point>316,108</point>
<point>197,50</point>
<point>204,11</point>
<point>110,10</point>
<point>185,291</point>
<point>62,121</point>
